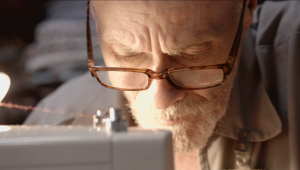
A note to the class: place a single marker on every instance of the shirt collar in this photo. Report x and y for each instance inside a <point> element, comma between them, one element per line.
<point>249,107</point>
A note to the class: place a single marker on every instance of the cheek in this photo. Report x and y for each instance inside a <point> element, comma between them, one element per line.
<point>141,98</point>
<point>131,95</point>
<point>205,93</point>
<point>107,53</point>
<point>219,52</point>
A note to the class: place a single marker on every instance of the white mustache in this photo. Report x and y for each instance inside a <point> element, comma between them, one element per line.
<point>188,107</point>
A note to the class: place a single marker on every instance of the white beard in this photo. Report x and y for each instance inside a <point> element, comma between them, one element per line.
<point>198,118</point>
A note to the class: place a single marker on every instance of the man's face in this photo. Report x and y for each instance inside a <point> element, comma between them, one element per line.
<point>159,35</point>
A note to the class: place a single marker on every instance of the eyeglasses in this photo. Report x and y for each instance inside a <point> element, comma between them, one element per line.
<point>183,78</point>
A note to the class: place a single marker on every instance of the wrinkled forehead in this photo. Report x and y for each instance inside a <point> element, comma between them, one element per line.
<point>166,17</point>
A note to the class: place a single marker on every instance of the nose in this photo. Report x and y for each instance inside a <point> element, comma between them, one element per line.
<point>162,94</point>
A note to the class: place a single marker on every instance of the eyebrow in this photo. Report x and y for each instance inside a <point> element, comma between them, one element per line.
<point>200,38</point>
<point>172,52</point>
<point>182,48</point>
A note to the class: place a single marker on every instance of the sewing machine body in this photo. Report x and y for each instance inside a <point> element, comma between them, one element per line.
<point>84,148</point>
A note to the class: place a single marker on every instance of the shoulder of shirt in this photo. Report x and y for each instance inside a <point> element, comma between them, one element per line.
<point>275,21</point>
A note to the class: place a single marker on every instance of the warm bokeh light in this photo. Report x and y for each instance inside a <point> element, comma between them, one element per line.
<point>4,85</point>
<point>4,128</point>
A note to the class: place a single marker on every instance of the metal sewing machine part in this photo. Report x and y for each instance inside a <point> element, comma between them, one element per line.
<point>111,120</point>
<point>108,145</point>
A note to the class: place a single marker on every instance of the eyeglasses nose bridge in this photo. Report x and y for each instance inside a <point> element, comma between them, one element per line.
<point>161,75</point>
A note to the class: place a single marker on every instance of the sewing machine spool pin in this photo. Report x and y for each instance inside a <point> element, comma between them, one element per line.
<point>110,120</point>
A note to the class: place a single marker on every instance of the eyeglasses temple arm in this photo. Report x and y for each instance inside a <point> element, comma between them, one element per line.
<point>89,38</point>
<point>235,47</point>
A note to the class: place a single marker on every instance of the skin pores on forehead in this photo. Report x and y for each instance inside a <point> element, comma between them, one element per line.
<point>162,34</point>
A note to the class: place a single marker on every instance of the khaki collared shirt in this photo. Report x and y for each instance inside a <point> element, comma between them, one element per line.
<point>265,100</point>
<point>261,127</point>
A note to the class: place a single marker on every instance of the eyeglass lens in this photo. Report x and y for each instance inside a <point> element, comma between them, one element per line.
<point>186,79</point>
<point>124,80</point>
<point>198,78</point>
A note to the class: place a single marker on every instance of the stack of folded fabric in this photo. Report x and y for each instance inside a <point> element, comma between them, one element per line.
<point>59,50</point>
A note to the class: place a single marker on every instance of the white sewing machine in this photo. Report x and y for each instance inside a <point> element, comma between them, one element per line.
<point>85,148</point>
<point>107,145</point>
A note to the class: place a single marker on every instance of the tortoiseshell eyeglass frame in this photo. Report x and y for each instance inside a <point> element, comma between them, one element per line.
<point>226,67</point>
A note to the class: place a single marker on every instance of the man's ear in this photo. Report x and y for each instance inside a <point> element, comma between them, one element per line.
<point>250,7</point>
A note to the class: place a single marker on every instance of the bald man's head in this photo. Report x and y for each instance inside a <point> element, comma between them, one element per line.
<point>159,35</point>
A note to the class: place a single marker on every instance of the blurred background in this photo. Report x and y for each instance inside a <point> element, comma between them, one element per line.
<point>42,45</point>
